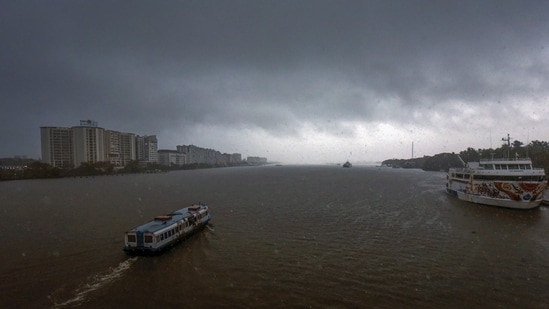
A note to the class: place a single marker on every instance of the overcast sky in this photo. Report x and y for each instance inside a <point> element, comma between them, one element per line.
<point>294,81</point>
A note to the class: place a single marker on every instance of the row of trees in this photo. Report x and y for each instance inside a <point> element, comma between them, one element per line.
<point>35,169</point>
<point>538,151</point>
<point>38,169</point>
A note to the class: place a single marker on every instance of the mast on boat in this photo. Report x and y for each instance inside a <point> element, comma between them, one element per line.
<point>508,140</point>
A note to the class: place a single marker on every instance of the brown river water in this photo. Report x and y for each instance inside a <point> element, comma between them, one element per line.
<point>280,237</point>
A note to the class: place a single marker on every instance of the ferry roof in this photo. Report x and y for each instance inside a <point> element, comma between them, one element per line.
<point>510,172</point>
<point>501,172</point>
<point>507,160</point>
<point>161,222</point>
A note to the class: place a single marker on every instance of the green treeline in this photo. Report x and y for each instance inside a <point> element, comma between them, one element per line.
<point>33,169</point>
<point>538,151</point>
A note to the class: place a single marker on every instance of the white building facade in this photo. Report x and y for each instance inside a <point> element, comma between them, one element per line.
<point>56,146</point>
<point>147,149</point>
<point>88,143</point>
<point>120,147</point>
<point>171,158</point>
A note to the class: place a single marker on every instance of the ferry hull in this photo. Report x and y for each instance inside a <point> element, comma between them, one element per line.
<point>477,199</point>
<point>545,200</point>
<point>166,231</point>
<point>145,251</point>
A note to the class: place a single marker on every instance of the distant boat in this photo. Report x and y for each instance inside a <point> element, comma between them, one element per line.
<point>511,183</point>
<point>347,164</point>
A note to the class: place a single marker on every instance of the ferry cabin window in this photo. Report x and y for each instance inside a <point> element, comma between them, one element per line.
<point>509,178</point>
<point>148,238</point>
<point>131,238</point>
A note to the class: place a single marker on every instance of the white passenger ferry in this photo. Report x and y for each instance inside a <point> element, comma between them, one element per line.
<point>511,183</point>
<point>165,231</point>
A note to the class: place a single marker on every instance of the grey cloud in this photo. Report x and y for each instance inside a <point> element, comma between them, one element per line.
<point>278,66</point>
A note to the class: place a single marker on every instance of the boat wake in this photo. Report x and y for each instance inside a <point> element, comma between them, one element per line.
<point>95,283</point>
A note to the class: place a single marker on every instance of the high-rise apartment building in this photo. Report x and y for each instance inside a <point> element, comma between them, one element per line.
<point>171,157</point>
<point>120,147</point>
<point>88,144</point>
<point>128,151</point>
<point>194,154</point>
<point>235,158</point>
<point>147,148</point>
<point>56,143</point>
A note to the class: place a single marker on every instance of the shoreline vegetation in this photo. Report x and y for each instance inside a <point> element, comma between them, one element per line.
<point>538,151</point>
<point>19,168</point>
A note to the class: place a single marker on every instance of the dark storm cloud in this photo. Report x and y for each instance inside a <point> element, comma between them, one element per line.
<point>146,67</point>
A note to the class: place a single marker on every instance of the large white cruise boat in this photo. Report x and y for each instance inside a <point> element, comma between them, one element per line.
<point>511,183</point>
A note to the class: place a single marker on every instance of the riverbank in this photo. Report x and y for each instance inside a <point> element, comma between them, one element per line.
<point>37,170</point>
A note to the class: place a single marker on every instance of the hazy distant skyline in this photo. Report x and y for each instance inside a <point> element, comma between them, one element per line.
<point>294,81</point>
